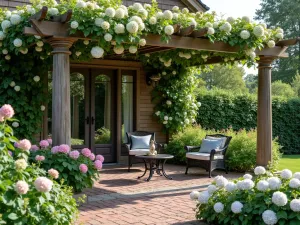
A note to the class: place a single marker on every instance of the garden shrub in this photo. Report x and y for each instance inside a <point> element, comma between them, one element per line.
<point>265,198</point>
<point>222,109</point>
<point>241,152</point>
<point>28,194</point>
<point>78,169</point>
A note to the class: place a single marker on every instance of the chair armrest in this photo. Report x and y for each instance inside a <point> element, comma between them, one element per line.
<point>190,148</point>
<point>214,152</point>
<point>127,146</point>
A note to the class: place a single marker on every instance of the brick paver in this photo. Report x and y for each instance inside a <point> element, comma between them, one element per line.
<point>120,198</point>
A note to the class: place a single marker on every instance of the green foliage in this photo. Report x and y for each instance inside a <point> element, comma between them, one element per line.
<point>282,89</point>
<point>251,81</point>
<point>241,152</point>
<point>102,136</point>
<point>296,84</point>
<point>221,109</point>
<point>33,207</point>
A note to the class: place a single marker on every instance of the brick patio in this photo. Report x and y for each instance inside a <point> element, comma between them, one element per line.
<point>120,198</point>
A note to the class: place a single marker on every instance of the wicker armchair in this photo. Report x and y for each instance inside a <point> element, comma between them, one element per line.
<point>131,153</point>
<point>216,159</point>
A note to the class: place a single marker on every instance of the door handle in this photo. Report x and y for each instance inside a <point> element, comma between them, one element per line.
<point>93,120</point>
<point>87,120</point>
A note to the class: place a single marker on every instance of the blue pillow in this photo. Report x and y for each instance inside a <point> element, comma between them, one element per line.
<point>140,142</point>
<point>209,144</point>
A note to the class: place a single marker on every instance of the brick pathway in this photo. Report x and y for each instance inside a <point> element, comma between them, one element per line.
<point>120,198</point>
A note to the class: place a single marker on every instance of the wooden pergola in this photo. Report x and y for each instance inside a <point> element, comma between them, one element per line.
<point>56,33</point>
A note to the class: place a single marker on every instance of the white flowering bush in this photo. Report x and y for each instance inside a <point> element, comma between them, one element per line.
<point>28,194</point>
<point>264,198</point>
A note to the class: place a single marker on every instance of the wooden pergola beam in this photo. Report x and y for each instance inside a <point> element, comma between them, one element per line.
<point>199,33</point>
<point>64,18</point>
<point>41,15</point>
<point>186,31</point>
<point>288,42</point>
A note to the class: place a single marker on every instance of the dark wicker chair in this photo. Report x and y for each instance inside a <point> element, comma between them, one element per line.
<point>131,154</point>
<point>216,159</point>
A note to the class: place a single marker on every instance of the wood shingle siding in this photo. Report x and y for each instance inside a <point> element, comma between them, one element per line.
<point>11,4</point>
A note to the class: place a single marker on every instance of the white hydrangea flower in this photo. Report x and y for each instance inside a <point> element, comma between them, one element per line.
<point>18,42</point>
<point>24,51</point>
<point>105,25</point>
<point>8,57</point>
<point>78,53</point>
<point>208,24</point>
<point>169,30</point>
<point>15,124</point>
<point>226,27</point>
<point>211,188</point>
<point>210,31</point>
<point>262,185</point>
<point>152,20</point>
<point>119,28</point>
<point>274,183</point>
<point>194,195</point>
<point>12,84</point>
<point>246,19</point>
<point>279,198</point>
<point>168,15</point>
<point>174,72</point>
<point>192,22</point>
<point>203,197</point>
<point>7,14</point>
<point>110,12</point>
<point>157,113</point>
<point>17,88</point>
<point>252,55</point>
<point>37,36</point>
<point>43,108</point>
<point>147,6</point>
<point>36,78</point>
<point>53,11</point>
<point>159,15</point>
<point>175,8</point>
<point>168,102</point>
<point>185,10</point>
<point>165,122</point>
<point>15,19</point>
<point>74,24</point>
<point>90,5</point>
<point>5,24</point>
<point>230,187</point>
<point>142,42</point>
<point>295,205</point>
<point>40,43</point>
<point>199,104</point>
<point>215,25</point>
<point>269,217</point>
<point>297,175</point>
<point>143,13</point>
<point>258,31</point>
<point>132,27</point>
<point>107,37</point>
<point>294,183</point>
<point>97,52</point>
<point>2,35</point>
<point>186,121</point>
<point>132,49</point>
<point>279,36</point>
<point>119,49</point>
<point>4,52</point>
<point>170,118</point>
<point>245,34</point>
<point>98,22</point>
<point>246,184</point>
<point>137,6</point>
<point>271,44</point>
<point>247,176</point>
<point>221,181</point>
<point>175,16</point>
<point>230,19</point>
<point>279,30</point>
<point>219,207</point>
<point>38,49</point>
<point>166,117</point>
<point>120,13</point>
<point>286,174</point>
<point>236,207</point>
<point>81,4</point>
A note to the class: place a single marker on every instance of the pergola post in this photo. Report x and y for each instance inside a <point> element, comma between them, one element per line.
<point>61,107</point>
<point>264,112</point>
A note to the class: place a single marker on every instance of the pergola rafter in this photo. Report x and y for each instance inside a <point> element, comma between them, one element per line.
<point>56,32</point>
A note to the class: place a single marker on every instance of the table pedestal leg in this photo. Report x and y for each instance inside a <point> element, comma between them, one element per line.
<point>151,170</point>
<point>145,169</point>
<point>158,168</point>
<point>163,171</point>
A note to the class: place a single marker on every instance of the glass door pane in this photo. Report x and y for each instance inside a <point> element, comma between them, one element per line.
<point>127,105</point>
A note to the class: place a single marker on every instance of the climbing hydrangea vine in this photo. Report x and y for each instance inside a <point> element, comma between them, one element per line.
<point>108,27</point>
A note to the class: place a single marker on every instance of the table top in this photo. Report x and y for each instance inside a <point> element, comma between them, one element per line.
<point>158,156</point>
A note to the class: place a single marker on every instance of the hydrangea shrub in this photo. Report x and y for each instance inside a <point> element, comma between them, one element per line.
<point>78,169</point>
<point>265,198</point>
<point>29,194</point>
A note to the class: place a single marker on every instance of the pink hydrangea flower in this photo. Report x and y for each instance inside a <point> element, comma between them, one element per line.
<point>53,173</point>
<point>40,158</point>
<point>24,145</point>
<point>34,148</point>
<point>49,141</point>
<point>7,111</point>
<point>44,144</point>
<point>74,154</point>
<point>21,187</point>
<point>98,164</point>
<point>16,145</point>
<point>54,150</point>
<point>92,156</point>
<point>83,168</point>
<point>1,118</point>
<point>86,152</point>
<point>10,153</point>
<point>43,184</point>
<point>100,158</point>
<point>64,149</point>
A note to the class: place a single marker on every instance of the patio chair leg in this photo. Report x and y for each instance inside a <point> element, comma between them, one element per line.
<point>129,163</point>
<point>186,170</point>
<point>209,170</point>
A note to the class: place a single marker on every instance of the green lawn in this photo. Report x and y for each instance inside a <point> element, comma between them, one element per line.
<point>291,162</point>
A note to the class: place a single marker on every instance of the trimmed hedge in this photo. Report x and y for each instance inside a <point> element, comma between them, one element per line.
<point>221,110</point>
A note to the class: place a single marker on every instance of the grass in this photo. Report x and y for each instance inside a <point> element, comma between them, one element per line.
<point>291,162</point>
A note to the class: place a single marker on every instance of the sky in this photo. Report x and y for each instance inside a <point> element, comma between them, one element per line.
<point>235,8</point>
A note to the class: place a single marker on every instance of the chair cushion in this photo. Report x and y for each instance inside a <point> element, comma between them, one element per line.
<point>223,139</point>
<point>202,156</point>
<point>140,142</point>
<point>138,152</point>
<point>209,144</point>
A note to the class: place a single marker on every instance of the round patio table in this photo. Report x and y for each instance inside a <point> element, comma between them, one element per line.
<point>156,163</point>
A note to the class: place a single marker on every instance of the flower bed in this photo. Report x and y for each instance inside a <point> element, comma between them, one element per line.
<point>28,194</point>
<point>265,198</point>
<point>78,169</point>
